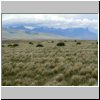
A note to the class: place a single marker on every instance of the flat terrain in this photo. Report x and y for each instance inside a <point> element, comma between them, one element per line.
<point>43,63</point>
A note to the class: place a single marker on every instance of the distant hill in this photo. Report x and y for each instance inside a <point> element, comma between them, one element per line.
<point>19,31</point>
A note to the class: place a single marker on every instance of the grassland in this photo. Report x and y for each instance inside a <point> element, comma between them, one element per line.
<point>29,64</point>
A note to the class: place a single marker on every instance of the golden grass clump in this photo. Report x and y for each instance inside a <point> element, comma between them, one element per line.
<point>71,63</point>
<point>92,81</point>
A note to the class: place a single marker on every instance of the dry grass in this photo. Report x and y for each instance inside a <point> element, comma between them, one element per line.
<point>73,64</point>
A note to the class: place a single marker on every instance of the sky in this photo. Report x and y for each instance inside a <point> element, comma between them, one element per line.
<point>58,23</point>
<point>62,21</point>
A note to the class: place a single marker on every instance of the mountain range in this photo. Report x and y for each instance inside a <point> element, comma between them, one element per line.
<point>29,31</point>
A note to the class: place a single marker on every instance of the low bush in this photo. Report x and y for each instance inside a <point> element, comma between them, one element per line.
<point>65,41</point>
<point>75,41</point>
<point>15,45</point>
<point>78,43</point>
<point>2,45</point>
<point>92,81</point>
<point>7,83</point>
<point>59,77</point>
<point>60,44</point>
<point>39,45</point>
<point>31,43</point>
<point>52,41</point>
<point>9,45</point>
<point>75,80</point>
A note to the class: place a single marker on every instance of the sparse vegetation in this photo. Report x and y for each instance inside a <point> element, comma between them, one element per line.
<point>10,45</point>
<point>75,40</point>
<point>97,42</point>
<point>2,45</point>
<point>39,45</point>
<point>61,44</point>
<point>92,81</point>
<point>31,43</point>
<point>47,64</point>
<point>78,43</point>
<point>15,45</point>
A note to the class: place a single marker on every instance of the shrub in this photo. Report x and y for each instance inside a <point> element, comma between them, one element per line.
<point>65,41</point>
<point>75,80</point>
<point>92,81</point>
<point>7,83</point>
<point>78,43</point>
<point>2,45</point>
<point>9,45</point>
<point>59,77</point>
<point>96,42</point>
<point>95,73</point>
<point>52,41</point>
<point>15,45</point>
<point>95,52</point>
<point>75,41</point>
<point>60,44</point>
<point>17,82</point>
<point>39,45</point>
<point>84,71</point>
<point>30,43</point>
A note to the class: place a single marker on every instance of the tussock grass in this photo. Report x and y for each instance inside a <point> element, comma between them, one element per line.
<point>39,45</point>
<point>78,43</point>
<point>92,81</point>
<point>31,43</point>
<point>61,44</point>
<point>3,46</point>
<point>15,45</point>
<point>46,64</point>
<point>59,77</point>
<point>9,45</point>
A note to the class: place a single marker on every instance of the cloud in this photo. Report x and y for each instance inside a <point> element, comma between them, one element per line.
<point>54,20</point>
<point>29,27</point>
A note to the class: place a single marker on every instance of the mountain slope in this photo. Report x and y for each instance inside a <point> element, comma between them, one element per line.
<point>18,31</point>
<point>20,34</point>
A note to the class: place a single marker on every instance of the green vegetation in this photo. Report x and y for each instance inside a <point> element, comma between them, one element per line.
<point>2,45</point>
<point>50,63</point>
<point>15,45</point>
<point>78,43</point>
<point>60,44</point>
<point>30,43</point>
<point>39,45</point>
<point>9,45</point>
<point>96,42</point>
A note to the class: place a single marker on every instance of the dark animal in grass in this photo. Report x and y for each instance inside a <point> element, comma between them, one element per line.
<point>65,41</point>
<point>13,45</point>
<point>75,40</point>
<point>9,45</point>
<point>2,45</point>
<point>52,41</point>
<point>96,42</point>
<point>78,43</point>
<point>39,45</point>
<point>30,43</point>
<point>60,44</point>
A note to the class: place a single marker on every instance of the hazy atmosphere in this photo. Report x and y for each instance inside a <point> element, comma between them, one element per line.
<point>49,49</point>
<point>50,26</point>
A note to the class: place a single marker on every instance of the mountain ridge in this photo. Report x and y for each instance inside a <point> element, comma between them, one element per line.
<point>69,33</point>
